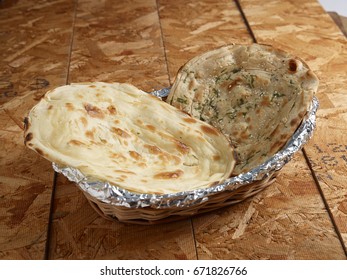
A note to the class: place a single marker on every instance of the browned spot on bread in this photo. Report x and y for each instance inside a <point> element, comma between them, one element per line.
<point>112,110</point>
<point>144,181</point>
<point>50,107</point>
<point>28,137</point>
<point>234,83</point>
<point>89,134</point>
<point>84,121</point>
<point>292,64</point>
<point>265,101</point>
<point>181,147</point>
<point>216,157</point>
<point>176,159</point>
<point>124,171</point>
<point>209,130</point>
<point>169,175</point>
<point>142,164</point>
<point>151,127</point>
<point>117,156</point>
<point>189,120</point>
<point>120,132</point>
<point>244,135</point>
<point>76,142</point>
<point>135,155</point>
<point>153,149</point>
<point>69,106</point>
<point>94,111</point>
<point>92,86</point>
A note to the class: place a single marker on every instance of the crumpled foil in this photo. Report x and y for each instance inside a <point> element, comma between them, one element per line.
<point>112,194</point>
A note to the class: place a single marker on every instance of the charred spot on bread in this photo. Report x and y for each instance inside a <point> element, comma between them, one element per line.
<point>26,123</point>
<point>293,65</point>
<point>28,137</point>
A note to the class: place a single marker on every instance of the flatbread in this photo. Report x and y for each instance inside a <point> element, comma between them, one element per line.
<point>122,135</point>
<point>255,94</point>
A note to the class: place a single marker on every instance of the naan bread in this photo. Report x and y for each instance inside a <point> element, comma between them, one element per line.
<point>255,94</point>
<point>122,135</point>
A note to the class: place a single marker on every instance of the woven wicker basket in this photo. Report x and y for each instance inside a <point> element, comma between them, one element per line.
<point>235,189</point>
<point>150,215</point>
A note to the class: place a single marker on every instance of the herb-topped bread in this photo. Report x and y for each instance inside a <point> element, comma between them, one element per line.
<point>255,94</point>
<point>122,135</point>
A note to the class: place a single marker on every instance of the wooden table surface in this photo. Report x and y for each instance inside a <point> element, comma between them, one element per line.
<point>48,43</point>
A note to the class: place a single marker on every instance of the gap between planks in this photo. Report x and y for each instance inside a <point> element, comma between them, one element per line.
<point>55,174</point>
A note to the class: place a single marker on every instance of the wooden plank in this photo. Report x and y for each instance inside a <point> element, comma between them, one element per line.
<point>115,42</point>
<point>198,27</point>
<point>34,48</point>
<point>304,29</point>
<point>118,42</point>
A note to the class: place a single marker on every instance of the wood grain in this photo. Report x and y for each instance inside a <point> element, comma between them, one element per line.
<point>118,42</point>
<point>287,220</point>
<point>198,27</point>
<point>322,45</point>
<point>78,232</point>
<point>48,43</point>
<point>34,48</point>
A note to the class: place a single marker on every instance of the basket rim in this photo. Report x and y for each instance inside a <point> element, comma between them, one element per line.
<point>112,194</point>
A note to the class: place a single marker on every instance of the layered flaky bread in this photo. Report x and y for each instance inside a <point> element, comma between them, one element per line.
<point>122,135</point>
<point>255,94</point>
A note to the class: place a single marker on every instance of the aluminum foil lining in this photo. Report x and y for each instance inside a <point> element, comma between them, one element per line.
<point>112,194</point>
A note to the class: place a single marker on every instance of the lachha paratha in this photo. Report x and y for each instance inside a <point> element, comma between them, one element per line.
<point>122,135</point>
<point>255,94</point>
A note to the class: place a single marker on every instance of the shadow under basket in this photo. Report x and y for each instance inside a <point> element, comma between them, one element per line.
<point>115,203</point>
